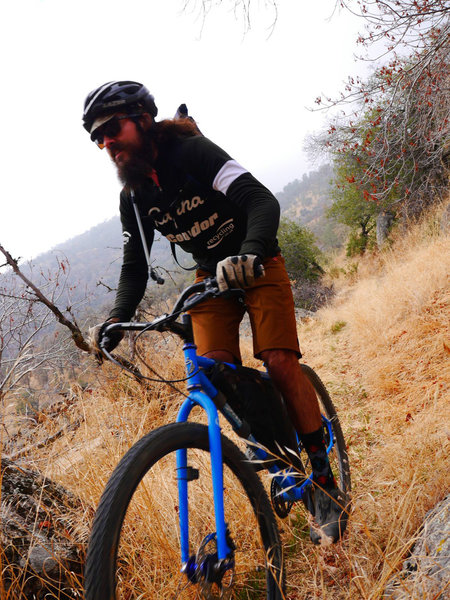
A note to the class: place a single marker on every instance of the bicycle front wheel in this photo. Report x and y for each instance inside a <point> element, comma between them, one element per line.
<point>134,550</point>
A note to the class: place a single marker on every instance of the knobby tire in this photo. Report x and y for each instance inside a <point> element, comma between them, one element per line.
<point>102,563</point>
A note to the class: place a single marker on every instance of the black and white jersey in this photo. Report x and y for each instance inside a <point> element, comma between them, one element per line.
<point>203,201</point>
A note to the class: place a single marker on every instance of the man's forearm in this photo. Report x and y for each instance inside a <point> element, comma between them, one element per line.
<point>130,292</point>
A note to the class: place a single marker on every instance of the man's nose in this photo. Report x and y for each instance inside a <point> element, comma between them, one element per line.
<point>108,140</point>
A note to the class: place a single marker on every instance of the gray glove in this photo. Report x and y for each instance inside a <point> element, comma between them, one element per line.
<point>109,342</point>
<point>238,271</point>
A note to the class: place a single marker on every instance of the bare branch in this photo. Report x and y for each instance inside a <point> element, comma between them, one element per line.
<point>52,438</point>
<point>77,336</point>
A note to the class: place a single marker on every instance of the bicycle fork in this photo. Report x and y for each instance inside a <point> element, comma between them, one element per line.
<point>185,473</point>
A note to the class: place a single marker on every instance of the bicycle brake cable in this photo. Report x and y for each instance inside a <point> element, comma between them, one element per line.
<point>130,372</point>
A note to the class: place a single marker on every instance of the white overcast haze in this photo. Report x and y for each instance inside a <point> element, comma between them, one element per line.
<point>249,92</point>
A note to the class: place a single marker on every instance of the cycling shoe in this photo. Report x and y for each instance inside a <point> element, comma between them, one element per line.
<point>330,508</point>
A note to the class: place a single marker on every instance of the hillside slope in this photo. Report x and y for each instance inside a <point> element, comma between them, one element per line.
<point>307,200</point>
<point>94,259</point>
<point>382,349</point>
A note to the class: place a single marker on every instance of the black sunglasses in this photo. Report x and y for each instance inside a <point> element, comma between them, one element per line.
<point>110,129</point>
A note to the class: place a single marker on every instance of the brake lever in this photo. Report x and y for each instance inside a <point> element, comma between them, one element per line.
<point>196,298</point>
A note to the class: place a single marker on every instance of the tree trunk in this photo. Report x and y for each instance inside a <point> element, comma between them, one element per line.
<point>41,554</point>
<point>384,224</point>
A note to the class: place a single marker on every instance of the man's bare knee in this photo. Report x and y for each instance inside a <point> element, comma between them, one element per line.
<point>280,360</point>
<point>222,355</point>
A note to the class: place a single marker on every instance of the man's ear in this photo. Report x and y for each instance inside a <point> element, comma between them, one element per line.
<point>146,120</point>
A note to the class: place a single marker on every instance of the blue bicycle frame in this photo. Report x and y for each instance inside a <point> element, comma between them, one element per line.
<point>201,393</point>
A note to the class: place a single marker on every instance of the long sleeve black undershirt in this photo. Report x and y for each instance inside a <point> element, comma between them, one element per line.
<point>263,214</point>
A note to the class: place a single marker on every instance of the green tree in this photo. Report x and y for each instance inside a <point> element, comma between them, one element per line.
<point>300,251</point>
<point>353,203</point>
<point>390,156</point>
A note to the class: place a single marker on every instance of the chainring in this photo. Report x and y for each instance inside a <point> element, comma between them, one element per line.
<point>281,507</point>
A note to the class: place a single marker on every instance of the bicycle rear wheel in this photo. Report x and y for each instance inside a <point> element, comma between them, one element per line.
<point>134,550</point>
<point>338,455</point>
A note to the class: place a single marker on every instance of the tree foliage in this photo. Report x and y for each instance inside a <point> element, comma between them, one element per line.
<point>390,142</point>
<point>303,258</point>
<point>398,139</point>
<point>350,204</point>
<point>22,325</point>
<point>398,132</point>
<point>300,251</point>
<point>244,10</point>
<point>400,23</point>
<point>32,350</point>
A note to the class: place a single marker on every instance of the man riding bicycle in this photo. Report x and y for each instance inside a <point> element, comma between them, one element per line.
<point>181,184</point>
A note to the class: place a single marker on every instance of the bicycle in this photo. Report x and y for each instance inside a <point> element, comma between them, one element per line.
<point>230,547</point>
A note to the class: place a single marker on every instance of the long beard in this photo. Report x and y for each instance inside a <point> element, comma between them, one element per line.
<point>140,162</point>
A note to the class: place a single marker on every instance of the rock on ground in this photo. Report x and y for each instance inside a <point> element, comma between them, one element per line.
<point>41,554</point>
<point>426,573</point>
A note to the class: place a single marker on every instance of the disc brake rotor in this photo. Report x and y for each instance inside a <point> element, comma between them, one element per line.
<point>214,578</point>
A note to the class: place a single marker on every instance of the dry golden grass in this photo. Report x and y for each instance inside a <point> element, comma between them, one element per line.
<point>382,349</point>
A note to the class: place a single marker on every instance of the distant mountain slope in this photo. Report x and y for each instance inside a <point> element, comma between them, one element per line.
<point>92,256</point>
<point>307,200</point>
<point>94,261</point>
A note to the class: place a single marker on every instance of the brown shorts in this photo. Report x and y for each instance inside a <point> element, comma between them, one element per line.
<point>270,305</point>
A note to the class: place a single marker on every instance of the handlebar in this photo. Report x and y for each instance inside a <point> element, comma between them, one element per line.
<point>190,297</point>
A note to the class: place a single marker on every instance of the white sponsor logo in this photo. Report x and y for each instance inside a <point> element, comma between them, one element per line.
<point>225,229</point>
<point>185,206</point>
<point>126,237</point>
